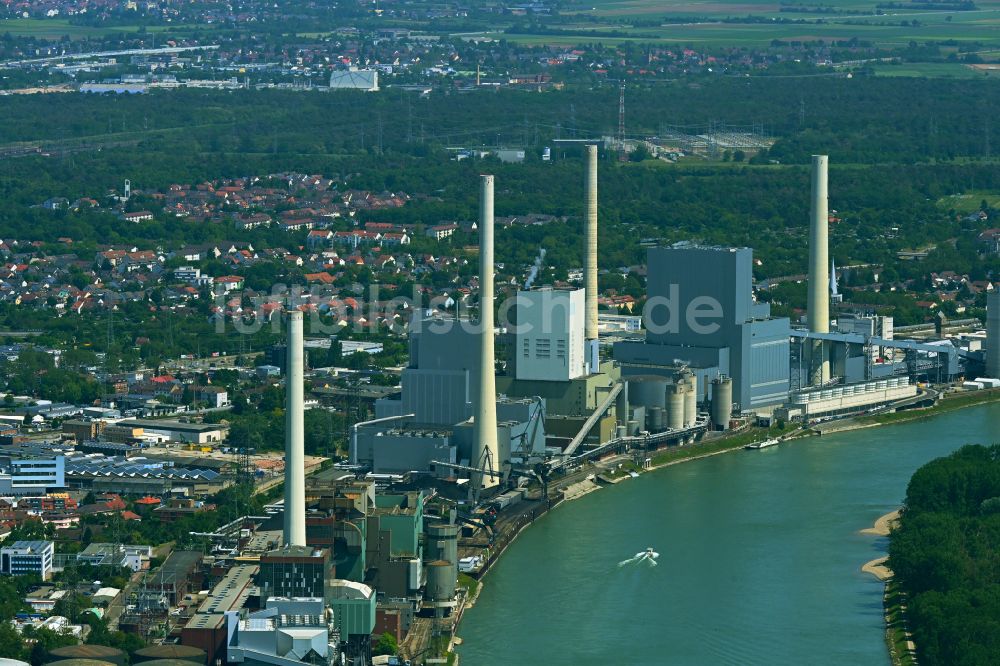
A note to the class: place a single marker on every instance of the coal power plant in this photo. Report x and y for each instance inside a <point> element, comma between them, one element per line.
<point>481,404</point>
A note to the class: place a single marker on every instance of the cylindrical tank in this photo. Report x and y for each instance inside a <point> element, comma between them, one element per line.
<point>98,652</point>
<point>82,662</point>
<point>621,431</point>
<point>167,662</point>
<point>647,391</point>
<point>633,427</point>
<point>441,580</point>
<point>690,406</point>
<point>686,377</point>
<point>12,662</point>
<point>621,404</point>
<point>675,406</point>
<point>186,653</point>
<point>654,422</point>
<point>722,402</point>
<point>442,543</point>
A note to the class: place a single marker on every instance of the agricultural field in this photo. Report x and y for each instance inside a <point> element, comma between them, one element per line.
<point>758,24</point>
<point>645,9</point>
<point>56,28</point>
<point>969,202</point>
<point>937,70</point>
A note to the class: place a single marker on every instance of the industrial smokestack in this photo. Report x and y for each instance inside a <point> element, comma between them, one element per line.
<point>818,313</point>
<point>295,475</point>
<point>590,261</point>
<point>590,256</point>
<point>485,449</point>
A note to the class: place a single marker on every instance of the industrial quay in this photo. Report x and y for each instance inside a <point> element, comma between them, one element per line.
<point>505,411</point>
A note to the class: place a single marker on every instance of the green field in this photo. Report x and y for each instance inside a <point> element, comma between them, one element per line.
<point>968,202</point>
<point>939,70</point>
<point>56,28</point>
<point>894,28</point>
<point>643,9</point>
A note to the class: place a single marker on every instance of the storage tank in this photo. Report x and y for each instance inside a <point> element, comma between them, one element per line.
<point>675,406</point>
<point>654,423</point>
<point>687,378</point>
<point>12,662</point>
<point>722,402</point>
<point>442,543</point>
<point>98,652</point>
<point>633,427</point>
<point>621,404</point>
<point>647,391</point>
<point>82,662</point>
<point>167,662</point>
<point>621,431</point>
<point>441,580</point>
<point>186,653</point>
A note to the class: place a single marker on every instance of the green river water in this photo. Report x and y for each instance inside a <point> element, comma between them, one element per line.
<point>760,557</point>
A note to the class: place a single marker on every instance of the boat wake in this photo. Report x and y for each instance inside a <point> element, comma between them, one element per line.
<point>648,556</point>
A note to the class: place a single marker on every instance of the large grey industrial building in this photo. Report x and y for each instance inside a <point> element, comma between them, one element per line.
<point>702,315</point>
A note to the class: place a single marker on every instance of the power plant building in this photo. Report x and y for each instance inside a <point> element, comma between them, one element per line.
<point>993,333</point>
<point>549,337</point>
<point>701,314</point>
<point>294,571</point>
<point>437,389</point>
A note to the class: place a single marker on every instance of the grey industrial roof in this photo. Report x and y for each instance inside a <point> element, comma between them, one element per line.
<point>115,466</point>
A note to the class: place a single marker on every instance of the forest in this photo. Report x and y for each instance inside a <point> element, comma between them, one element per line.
<point>946,557</point>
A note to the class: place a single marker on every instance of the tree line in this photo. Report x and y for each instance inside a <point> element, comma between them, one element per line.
<point>945,554</point>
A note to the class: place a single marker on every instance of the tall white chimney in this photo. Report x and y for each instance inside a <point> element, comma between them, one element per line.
<point>295,475</point>
<point>590,254</point>
<point>485,427</point>
<point>818,312</point>
<point>590,264</point>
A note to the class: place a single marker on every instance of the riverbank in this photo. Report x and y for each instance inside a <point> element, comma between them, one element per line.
<point>884,524</point>
<point>898,639</point>
<point>617,468</point>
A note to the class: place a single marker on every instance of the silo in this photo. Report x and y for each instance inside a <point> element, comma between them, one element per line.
<point>686,377</point>
<point>441,580</point>
<point>647,391</point>
<point>98,652</point>
<point>186,653</point>
<point>654,422</point>
<point>442,543</point>
<point>722,402</point>
<point>621,404</point>
<point>675,406</point>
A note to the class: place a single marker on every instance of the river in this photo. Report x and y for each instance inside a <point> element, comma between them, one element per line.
<point>759,562</point>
